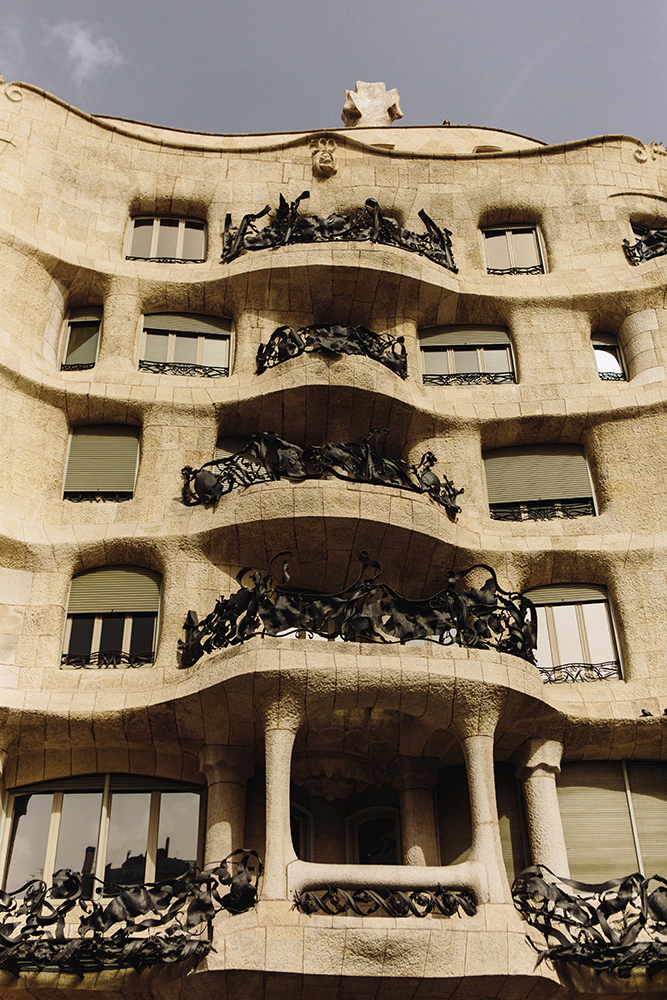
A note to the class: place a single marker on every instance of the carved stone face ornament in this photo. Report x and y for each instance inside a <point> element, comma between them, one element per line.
<point>324,159</point>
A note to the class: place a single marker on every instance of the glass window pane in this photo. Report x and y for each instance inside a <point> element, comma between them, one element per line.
<point>215,352</point>
<point>81,635</point>
<point>167,241</point>
<point>599,632</point>
<point>111,640</point>
<point>435,361</point>
<point>496,359</point>
<point>376,839</point>
<point>185,349</point>
<point>82,343</point>
<point>143,627</point>
<point>156,346</point>
<point>128,834</point>
<point>77,838</point>
<point>524,242</point>
<point>142,237</point>
<point>177,833</point>
<point>465,359</point>
<point>497,253</point>
<point>543,652</point>
<point>30,829</point>
<point>193,241</point>
<point>607,360</point>
<point>567,634</point>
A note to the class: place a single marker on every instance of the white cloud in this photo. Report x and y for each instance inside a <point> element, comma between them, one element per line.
<point>87,52</point>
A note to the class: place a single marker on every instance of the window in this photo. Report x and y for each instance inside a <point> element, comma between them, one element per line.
<point>114,828</point>
<point>184,344</point>
<point>462,355</point>
<point>301,824</point>
<point>112,618</point>
<point>167,240</point>
<point>614,818</point>
<point>575,633</point>
<point>102,462</point>
<point>538,483</point>
<point>82,339</point>
<point>373,837</point>
<point>513,250</point>
<point>608,357</point>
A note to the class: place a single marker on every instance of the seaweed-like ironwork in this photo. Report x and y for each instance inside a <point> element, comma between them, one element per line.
<point>122,926</point>
<point>533,269</point>
<point>566,673</point>
<point>616,926</point>
<point>106,658</point>
<point>267,457</point>
<point>651,243</point>
<point>365,224</point>
<point>182,368</point>
<point>286,342</point>
<point>394,902</point>
<point>542,510</point>
<point>470,378</point>
<point>484,617</point>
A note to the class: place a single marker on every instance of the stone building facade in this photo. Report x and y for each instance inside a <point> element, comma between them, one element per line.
<point>506,300</point>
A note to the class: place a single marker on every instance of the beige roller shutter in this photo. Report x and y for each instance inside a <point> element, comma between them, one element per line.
<point>648,784</point>
<point>121,589</point>
<point>187,323</point>
<point>103,458</point>
<point>596,821</point>
<point>566,593</point>
<point>543,472</point>
<point>463,336</point>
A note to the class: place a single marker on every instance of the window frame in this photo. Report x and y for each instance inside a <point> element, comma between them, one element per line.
<point>106,496</point>
<point>479,338</point>
<point>613,345</point>
<point>558,508</point>
<point>155,236</point>
<point>169,366</point>
<point>353,822</point>
<point>537,268</point>
<point>73,320</point>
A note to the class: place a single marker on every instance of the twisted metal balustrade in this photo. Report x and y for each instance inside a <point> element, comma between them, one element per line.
<point>77,368</point>
<point>182,368</point>
<point>121,926</point>
<point>267,458</point>
<point>470,378</point>
<point>365,224</point>
<point>533,269</point>
<point>169,260</point>
<point>540,510</point>
<point>106,658</point>
<point>393,902</point>
<point>612,376</point>
<point>286,343</point>
<point>566,673</point>
<point>652,243</point>
<point>484,617</point>
<point>617,926</point>
<point>92,497</point>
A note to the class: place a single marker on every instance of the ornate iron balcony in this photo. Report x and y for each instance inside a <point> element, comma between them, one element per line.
<point>483,617</point>
<point>77,368</point>
<point>366,224</point>
<point>393,902</point>
<point>165,921</point>
<point>615,927</point>
<point>651,243</point>
<point>470,378</point>
<point>182,368</point>
<point>286,343</point>
<point>542,510</point>
<point>613,376</point>
<point>168,260</point>
<point>106,658</point>
<point>267,458</point>
<point>534,269</point>
<point>92,497</point>
<point>566,673</point>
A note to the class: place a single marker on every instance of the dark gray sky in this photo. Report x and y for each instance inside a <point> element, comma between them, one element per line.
<point>553,69</point>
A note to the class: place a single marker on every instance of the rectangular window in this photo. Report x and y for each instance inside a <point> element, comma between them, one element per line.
<point>513,250</point>
<point>608,357</point>
<point>186,344</point>
<point>466,356</point>
<point>167,240</point>
<point>102,463</point>
<point>81,339</point>
<point>538,483</point>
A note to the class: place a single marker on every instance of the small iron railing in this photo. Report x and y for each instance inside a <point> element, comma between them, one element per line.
<point>566,673</point>
<point>612,376</point>
<point>77,368</point>
<point>182,368</point>
<point>541,510</point>
<point>393,902</point>
<point>106,658</point>
<point>470,378</point>
<point>534,269</point>
<point>79,496</point>
<point>168,260</point>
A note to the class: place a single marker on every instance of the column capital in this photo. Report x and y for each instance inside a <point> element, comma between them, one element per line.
<point>538,754</point>
<point>224,763</point>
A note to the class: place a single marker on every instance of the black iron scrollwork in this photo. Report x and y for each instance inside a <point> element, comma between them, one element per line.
<point>470,378</point>
<point>616,926</point>
<point>566,673</point>
<point>182,368</point>
<point>366,224</point>
<point>286,342</point>
<point>651,243</point>
<point>106,658</point>
<point>77,368</point>
<point>167,921</point>
<point>540,510</point>
<point>394,902</point>
<point>484,617</point>
<point>533,269</point>
<point>266,458</point>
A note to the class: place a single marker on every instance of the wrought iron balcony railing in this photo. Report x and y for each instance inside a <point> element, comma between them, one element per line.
<point>181,368</point>
<point>62,928</point>
<point>651,243</point>
<point>168,260</point>
<point>106,658</point>
<point>569,672</point>
<point>286,342</point>
<point>393,902</point>
<point>542,510</point>
<point>80,496</point>
<point>77,368</point>
<point>470,378</point>
<point>533,269</point>
<point>613,376</point>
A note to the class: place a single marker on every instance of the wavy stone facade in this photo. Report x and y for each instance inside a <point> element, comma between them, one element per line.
<point>334,727</point>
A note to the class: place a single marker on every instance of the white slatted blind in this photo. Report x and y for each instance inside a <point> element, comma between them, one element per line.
<point>103,458</point>
<point>121,589</point>
<point>648,784</point>
<point>542,472</point>
<point>188,323</point>
<point>566,593</point>
<point>596,821</point>
<point>463,336</point>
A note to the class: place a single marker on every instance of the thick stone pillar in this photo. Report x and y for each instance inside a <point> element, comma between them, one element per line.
<point>227,770</point>
<point>538,766</point>
<point>486,845</point>
<point>279,740</point>
<point>415,782</point>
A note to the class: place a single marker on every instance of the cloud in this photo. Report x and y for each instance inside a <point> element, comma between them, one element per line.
<point>87,51</point>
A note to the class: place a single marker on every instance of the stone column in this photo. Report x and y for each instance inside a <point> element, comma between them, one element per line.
<point>486,845</point>
<point>279,740</point>
<point>227,770</point>
<point>538,766</point>
<point>415,782</point>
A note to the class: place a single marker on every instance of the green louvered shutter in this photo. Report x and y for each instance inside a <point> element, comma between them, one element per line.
<point>119,589</point>
<point>103,458</point>
<point>542,472</point>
